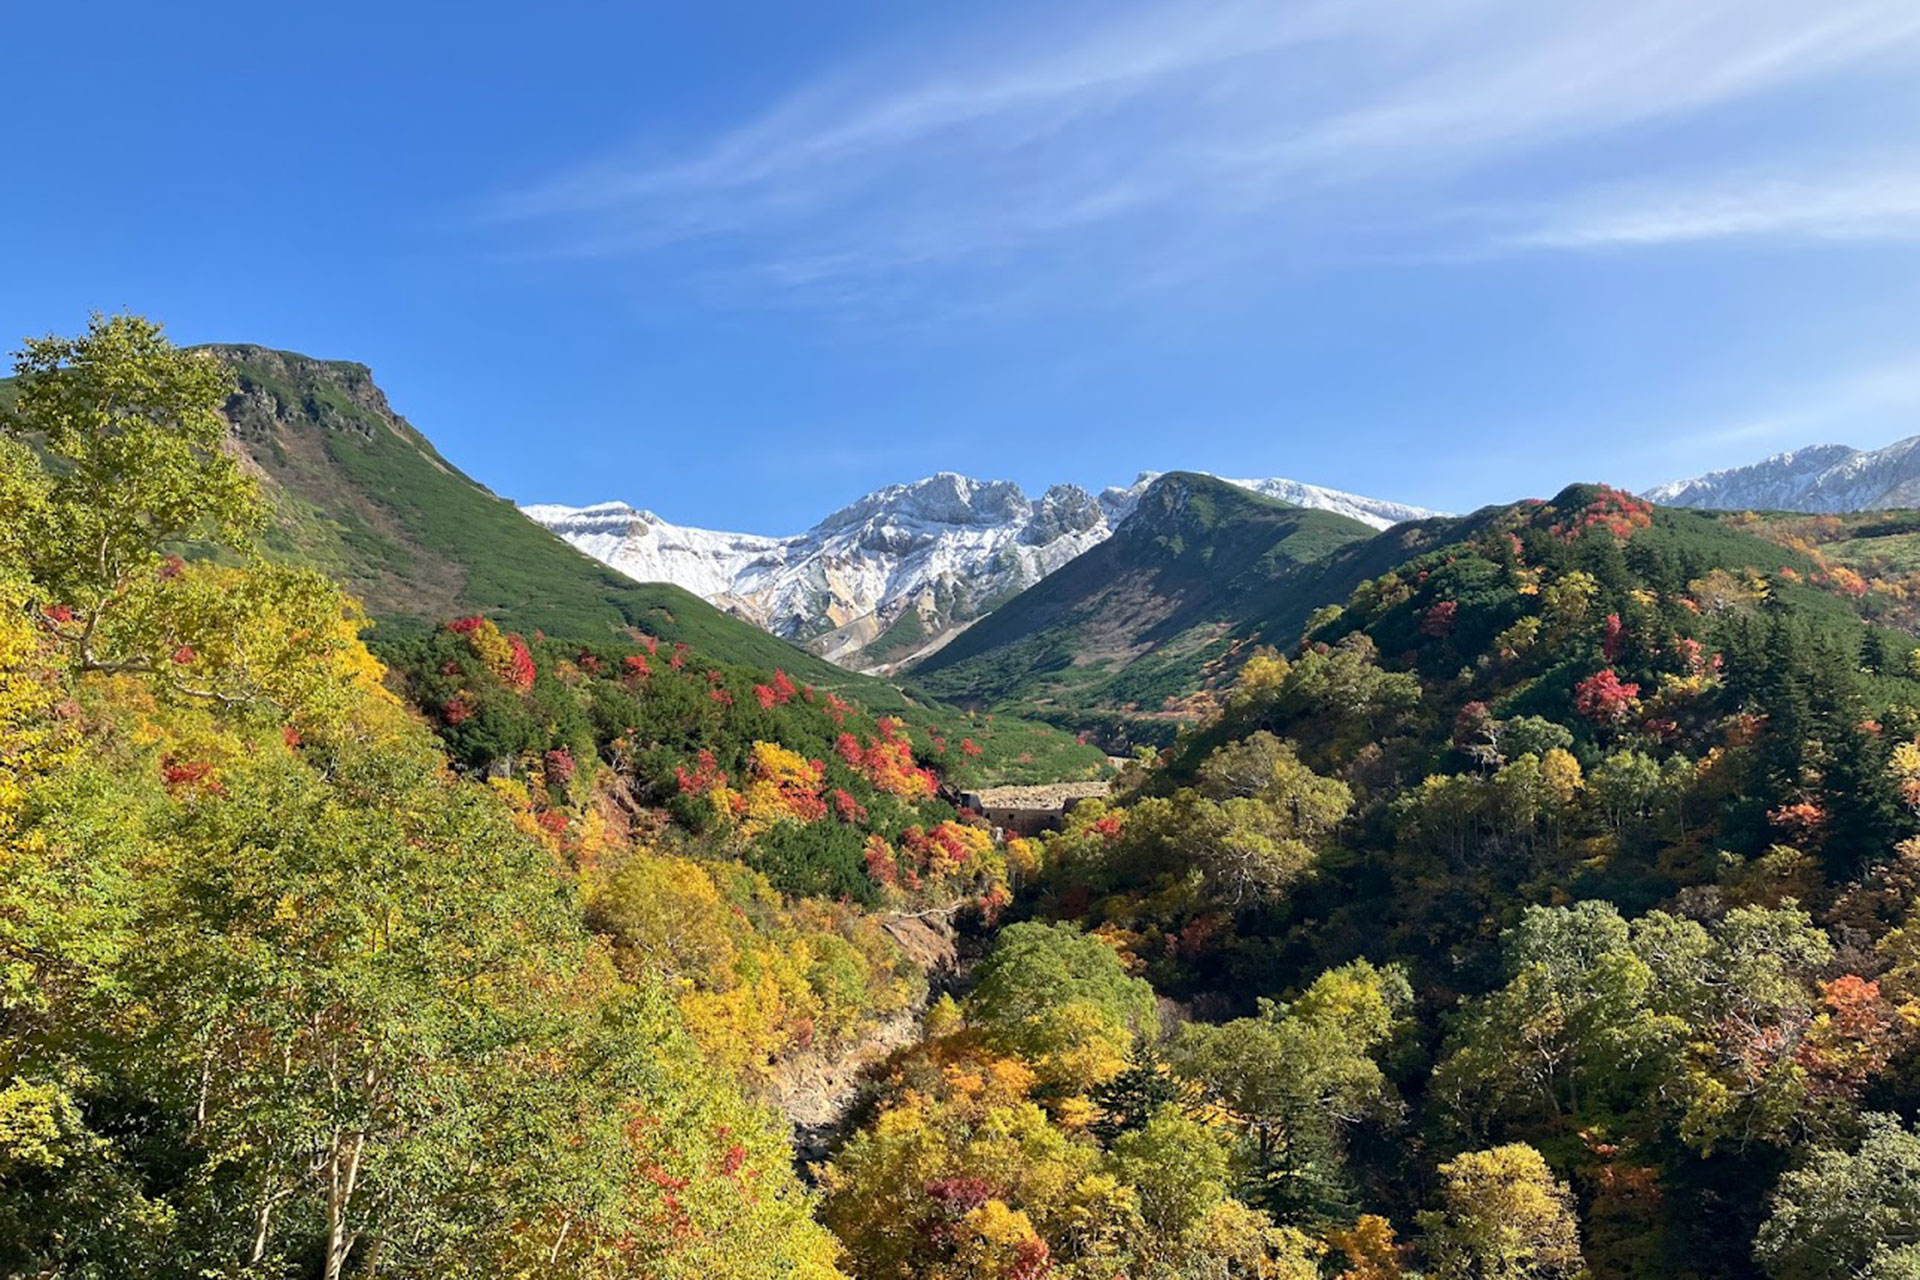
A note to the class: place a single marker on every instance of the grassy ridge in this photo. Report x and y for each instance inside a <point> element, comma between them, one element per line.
<point>361,493</point>
<point>1142,617</point>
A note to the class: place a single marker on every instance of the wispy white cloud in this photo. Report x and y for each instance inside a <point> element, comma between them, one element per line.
<point>1217,130</point>
<point>1880,200</point>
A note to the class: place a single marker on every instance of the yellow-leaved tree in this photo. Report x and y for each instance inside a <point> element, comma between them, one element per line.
<point>280,993</point>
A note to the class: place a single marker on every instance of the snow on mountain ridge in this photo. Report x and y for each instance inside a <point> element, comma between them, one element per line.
<point>1378,512</point>
<point>945,497</point>
<point>896,570</point>
<point>1818,478</point>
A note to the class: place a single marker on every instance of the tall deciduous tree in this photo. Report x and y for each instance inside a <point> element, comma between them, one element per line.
<point>1295,1079</point>
<point>1062,1001</point>
<point>1503,1216</point>
<point>132,430</point>
<point>1848,1213</point>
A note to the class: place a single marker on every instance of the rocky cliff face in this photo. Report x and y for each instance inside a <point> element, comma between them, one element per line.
<point>895,573</point>
<point>280,389</point>
<point>1820,478</point>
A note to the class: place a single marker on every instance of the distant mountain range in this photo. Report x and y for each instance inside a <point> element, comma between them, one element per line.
<point>895,581</point>
<point>1128,640</point>
<point>1110,613</point>
<point>891,577</point>
<point>1819,478</point>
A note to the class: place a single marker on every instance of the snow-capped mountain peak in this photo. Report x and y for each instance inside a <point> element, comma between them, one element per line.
<point>648,549</point>
<point>945,498</point>
<point>899,570</point>
<point>1818,478</point>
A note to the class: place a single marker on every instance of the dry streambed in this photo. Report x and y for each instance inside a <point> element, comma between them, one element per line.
<point>821,1092</point>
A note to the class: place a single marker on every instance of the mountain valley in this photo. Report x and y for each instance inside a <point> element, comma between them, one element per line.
<point>579,927</point>
<point>889,578</point>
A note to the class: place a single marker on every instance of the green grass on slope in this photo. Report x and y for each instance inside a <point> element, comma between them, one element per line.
<point>1138,619</point>
<point>1107,640</point>
<point>1882,547</point>
<point>361,494</point>
<point>1883,544</point>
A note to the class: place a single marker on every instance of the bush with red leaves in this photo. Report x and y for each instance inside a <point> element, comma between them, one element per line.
<point>1605,698</point>
<point>1438,621</point>
<point>520,671</point>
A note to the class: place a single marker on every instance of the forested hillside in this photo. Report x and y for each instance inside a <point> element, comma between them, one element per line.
<point>306,978</point>
<point>1548,911</point>
<point>1142,635</point>
<point>1545,910</point>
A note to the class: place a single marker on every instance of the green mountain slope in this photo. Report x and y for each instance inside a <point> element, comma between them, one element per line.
<point>1121,638</point>
<point>1140,619</point>
<point>1872,557</point>
<point>360,493</point>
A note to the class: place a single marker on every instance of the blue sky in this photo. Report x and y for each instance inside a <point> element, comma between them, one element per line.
<point>741,262</point>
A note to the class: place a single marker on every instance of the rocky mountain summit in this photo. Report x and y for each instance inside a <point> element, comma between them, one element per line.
<point>1819,478</point>
<point>894,574</point>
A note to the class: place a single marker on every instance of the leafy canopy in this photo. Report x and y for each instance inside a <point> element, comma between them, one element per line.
<point>132,433</point>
